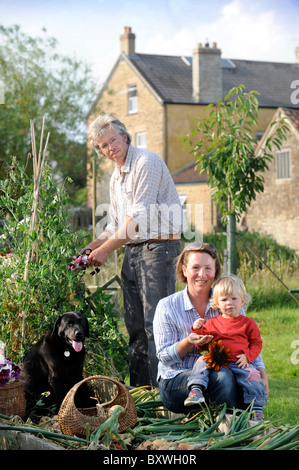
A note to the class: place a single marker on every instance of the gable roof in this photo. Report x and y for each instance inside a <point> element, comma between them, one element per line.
<point>171,78</point>
<point>271,79</point>
<point>292,116</point>
<point>189,175</point>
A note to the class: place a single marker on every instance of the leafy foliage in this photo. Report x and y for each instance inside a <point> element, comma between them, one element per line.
<point>264,247</point>
<point>38,81</point>
<point>225,150</point>
<point>30,305</point>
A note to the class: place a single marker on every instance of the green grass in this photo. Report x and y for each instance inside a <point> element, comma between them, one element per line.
<point>279,326</point>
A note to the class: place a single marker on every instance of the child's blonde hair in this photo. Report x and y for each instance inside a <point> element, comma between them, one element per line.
<point>230,285</point>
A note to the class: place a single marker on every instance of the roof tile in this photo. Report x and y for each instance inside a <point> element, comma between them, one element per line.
<point>171,78</point>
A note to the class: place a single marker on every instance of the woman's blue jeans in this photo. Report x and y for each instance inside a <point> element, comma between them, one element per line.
<point>222,389</point>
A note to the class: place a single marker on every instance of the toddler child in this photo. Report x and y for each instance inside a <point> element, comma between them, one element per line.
<point>238,333</point>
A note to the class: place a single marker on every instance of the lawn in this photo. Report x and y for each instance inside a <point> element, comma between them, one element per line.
<point>279,328</point>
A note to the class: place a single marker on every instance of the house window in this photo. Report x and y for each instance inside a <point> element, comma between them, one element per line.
<point>283,164</point>
<point>183,199</point>
<point>132,99</point>
<point>141,140</point>
<point>258,135</point>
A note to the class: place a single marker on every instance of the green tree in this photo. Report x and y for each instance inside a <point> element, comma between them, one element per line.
<point>225,149</point>
<point>40,82</point>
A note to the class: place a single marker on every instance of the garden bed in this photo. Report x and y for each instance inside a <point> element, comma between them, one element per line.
<point>204,429</point>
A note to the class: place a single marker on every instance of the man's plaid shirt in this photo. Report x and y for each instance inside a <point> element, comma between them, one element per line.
<point>145,191</point>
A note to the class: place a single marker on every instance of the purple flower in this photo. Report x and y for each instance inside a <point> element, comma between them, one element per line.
<point>80,262</point>
<point>9,372</point>
<point>4,376</point>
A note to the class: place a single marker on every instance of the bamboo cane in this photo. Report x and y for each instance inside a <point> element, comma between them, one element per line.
<point>38,165</point>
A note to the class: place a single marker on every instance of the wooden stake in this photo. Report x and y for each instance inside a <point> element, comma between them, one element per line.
<point>38,165</point>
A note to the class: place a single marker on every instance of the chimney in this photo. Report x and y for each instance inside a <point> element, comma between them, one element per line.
<point>206,73</point>
<point>297,54</point>
<point>127,42</point>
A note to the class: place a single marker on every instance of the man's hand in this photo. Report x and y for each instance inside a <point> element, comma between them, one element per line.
<point>97,257</point>
<point>109,242</point>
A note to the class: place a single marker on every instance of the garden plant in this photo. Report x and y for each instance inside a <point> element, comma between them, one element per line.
<point>35,291</point>
<point>224,145</point>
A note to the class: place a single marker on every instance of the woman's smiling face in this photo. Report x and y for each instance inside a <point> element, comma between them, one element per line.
<point>200,272</point>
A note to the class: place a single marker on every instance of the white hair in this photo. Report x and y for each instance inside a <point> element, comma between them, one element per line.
<point>101,125</point>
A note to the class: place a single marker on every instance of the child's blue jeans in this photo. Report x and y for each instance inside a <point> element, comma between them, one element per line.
<point>248,378</point>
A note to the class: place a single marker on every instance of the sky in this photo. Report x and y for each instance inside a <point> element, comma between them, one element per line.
<point>90,30</point>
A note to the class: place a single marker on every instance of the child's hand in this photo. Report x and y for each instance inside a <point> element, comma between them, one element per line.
<point>198,323</point>
<point>242,361</point>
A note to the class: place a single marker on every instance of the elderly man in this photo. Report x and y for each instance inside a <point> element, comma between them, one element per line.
<point>145,216</point>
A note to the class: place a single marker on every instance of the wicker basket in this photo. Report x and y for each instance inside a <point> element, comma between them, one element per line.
<point>110,392</point>
<point>12,399</point>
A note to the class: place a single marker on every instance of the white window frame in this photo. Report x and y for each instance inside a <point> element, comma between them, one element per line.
<point>132,99</point>
<point>141,141</point>
<point>283,164</point>
<point>183,201</point>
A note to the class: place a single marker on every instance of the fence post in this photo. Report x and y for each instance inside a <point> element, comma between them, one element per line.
<point>94,197</point>
<point>231,244</point>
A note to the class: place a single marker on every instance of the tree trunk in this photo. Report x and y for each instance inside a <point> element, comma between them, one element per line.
<point>231,244</point>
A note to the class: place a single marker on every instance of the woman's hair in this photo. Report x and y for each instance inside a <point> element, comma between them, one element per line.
<point>101,125</point>
<point>196,247</point>
<point>230,285</point>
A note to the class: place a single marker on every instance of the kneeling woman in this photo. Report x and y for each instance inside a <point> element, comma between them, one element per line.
<point>198,267</point>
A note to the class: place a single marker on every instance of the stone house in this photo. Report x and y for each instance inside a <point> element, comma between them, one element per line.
<point>275,211</point>
<point>195,194</point>
<point>159,97</point>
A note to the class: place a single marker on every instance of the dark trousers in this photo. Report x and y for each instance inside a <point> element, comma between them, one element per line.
<point>148,275</point>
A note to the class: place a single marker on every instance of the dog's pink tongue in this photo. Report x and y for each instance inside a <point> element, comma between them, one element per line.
<point>77,345</point>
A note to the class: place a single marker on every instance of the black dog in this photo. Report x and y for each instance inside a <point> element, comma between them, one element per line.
<point>55,363</point>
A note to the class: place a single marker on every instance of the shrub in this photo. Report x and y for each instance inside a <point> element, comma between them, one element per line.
<point>36,289</point>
